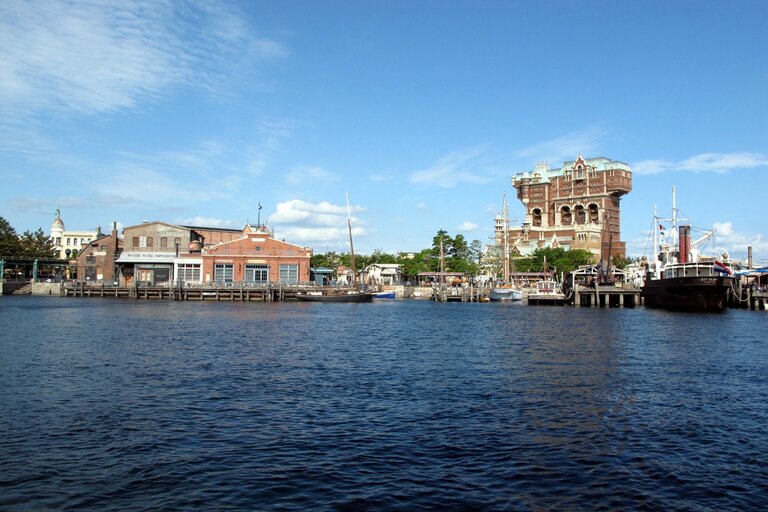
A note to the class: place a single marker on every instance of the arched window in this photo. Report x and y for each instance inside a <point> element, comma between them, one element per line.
<point>566,217</point>
<point>593,214</point>
<point>581,216</point>
<point>536,217</point>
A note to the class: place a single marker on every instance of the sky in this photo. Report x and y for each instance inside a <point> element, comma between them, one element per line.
<point>421,111</point>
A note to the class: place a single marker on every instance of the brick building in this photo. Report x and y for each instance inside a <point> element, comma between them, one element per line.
<point>256,258</point>
<point>153,252</point>
<point>96,261</point>
<point>577,206</point>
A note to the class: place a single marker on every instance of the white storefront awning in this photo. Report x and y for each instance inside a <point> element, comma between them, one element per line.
<point>146,257</point>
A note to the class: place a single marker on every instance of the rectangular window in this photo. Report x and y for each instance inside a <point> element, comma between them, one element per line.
<point>150,241</point>
<point>189,273</point>
<point>223,273</point>
<point>289,273</point>
<point>90,260</point>
<point>163,242</point>
<point>136,242</point>
<point>68,241</point>
<point>257,274</point>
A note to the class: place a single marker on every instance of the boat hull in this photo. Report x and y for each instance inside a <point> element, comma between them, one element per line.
<point>499,294</point>
<point>687,293</point>
<point>335,297</point>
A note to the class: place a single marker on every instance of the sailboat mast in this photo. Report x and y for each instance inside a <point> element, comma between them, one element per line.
<point>506,239</point>
<point>351,245</point>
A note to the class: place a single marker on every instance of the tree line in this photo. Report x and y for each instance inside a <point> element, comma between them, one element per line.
<point>30,244</point>
<point>461,256</point>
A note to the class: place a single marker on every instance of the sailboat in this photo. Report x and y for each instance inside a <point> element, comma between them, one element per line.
<point>679,279</point>
<point>505,290</point>
<point>340,294</point>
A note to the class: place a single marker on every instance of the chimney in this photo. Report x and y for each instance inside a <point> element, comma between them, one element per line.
<point>749,257</point>
<point>685,243</point>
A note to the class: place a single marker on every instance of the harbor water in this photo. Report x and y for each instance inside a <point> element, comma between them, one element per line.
<point>395,405</point>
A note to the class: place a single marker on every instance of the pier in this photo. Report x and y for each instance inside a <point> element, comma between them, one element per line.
<point>243,293</point>
<point>460,294</point>
<point>605,296</point>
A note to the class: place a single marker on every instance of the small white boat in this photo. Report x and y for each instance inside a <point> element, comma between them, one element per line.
<point>505,293</point>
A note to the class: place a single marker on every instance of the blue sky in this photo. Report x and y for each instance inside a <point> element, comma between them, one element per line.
<point>194,112</point>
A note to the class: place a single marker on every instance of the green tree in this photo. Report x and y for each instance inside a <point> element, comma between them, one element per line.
<point>557,259</point>
<point>420,262</point>
<point>476,251</point>
<point>620,262</point>
<point>10,244</point>
<point>459,248</point>
<point>37,245</point>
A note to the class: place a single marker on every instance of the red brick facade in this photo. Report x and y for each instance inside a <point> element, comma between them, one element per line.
<point>577,206</point>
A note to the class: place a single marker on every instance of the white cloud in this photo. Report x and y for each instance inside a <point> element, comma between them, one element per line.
<point>726,238</point>
<point>564,148</point>
<point>379,178</point>
<point>466,226</point>
<point>319,225</point>
<point>455,168</point>
<point>302,175</point>
<point>94,57</point>
<point>719,163</point>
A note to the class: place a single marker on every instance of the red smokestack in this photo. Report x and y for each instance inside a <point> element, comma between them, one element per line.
<point>685,243</point>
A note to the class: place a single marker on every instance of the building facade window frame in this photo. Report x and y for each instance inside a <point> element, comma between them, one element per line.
<point>256,274</point>
<point>289,273</point>
<point>223,273</point>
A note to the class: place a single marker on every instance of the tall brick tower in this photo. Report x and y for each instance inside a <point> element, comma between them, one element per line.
<point>576,207</point>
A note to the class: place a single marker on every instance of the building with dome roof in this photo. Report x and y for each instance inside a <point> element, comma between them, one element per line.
<point>68,244</point>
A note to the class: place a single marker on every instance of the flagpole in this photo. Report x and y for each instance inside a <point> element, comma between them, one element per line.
<point>258,221</point>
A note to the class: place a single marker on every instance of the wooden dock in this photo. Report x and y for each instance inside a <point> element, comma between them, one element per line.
<point>605,296</point>
<point>460,294</point>
<point>237,293</point>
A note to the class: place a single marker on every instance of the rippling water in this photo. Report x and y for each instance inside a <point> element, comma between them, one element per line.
<point>135,405</point>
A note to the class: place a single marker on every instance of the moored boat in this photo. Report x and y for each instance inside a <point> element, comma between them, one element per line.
<point>547,294</point>
<point>506,290</point>
<point>503,293</point>
<point>693,286</point>
<point>679,279</point>
<point>335,295</point>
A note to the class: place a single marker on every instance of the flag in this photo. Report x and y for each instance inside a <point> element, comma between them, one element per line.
<point>259,205</point>
<point>722,267</point>
<point>661,228</point>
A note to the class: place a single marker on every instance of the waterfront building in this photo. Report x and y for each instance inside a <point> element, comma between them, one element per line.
<point>577,206</point>
<point>66,243</point>
<point>154,251</point>
<point>256,258</point>
<point>382,273</point>
<point>96,261</point>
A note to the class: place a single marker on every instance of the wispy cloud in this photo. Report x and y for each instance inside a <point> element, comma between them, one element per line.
<point>210,222</point>
<point>453,169</point>
<point>322,225</point>
<point>302,175</point>
<point>563,148</point>
<point>720,163</point>
<point>380,178</point>
<point>95,57</point>
<point>466,226</point>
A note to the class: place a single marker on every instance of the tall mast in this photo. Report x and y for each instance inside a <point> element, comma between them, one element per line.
<point>351,245</point>
<point>505,213</point>
<point>442,257</point>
